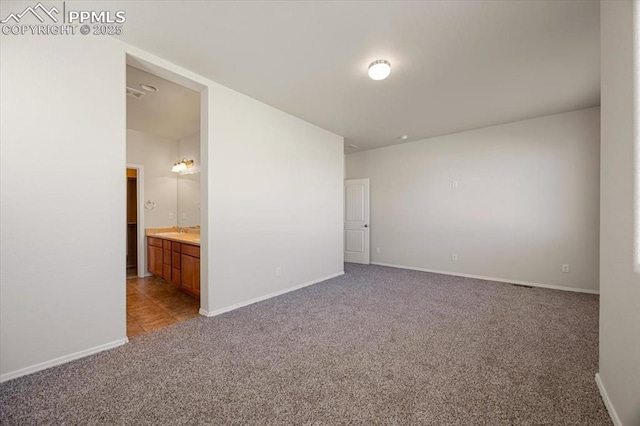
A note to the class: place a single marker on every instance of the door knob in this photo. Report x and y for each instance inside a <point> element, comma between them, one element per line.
<point>366,226</point>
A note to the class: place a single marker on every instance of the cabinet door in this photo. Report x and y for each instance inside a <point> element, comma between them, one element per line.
<point>187,269</point>
<point>190,274</point>
<point>196,278</point>
<point>158,266</point>
<point>154,261</point>
<point>175,276</point>
<point>150,258</point>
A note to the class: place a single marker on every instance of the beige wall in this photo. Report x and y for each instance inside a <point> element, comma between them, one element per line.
<point>276,186</point>
<point>526,201</point>
<point>160,184</point>
<point>619,375</point>
<point>189,186</point>
<point>63,209</point>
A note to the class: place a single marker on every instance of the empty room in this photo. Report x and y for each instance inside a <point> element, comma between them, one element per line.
<point>320,212</point>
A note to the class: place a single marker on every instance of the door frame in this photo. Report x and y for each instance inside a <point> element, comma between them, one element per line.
<point>176,74</point>
<point>142,252</point>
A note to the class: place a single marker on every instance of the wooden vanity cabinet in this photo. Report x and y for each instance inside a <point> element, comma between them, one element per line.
<point>176,263</point>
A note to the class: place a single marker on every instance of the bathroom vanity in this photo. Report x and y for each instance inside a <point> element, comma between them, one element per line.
<point>175,257</point>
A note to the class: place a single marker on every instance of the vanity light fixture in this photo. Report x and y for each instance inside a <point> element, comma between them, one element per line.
<point>181,165</point>
<point>379,70</point>
<point>149,87</point>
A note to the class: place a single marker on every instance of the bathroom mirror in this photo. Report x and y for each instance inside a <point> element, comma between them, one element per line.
<point>189,200</point>
<point>189,182</point>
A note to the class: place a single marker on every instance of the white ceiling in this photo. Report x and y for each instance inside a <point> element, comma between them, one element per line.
<point>172,112</point>
<point>456,65</point>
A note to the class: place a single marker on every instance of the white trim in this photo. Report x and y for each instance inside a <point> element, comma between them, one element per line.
<point>61,360</point>
<point>501,280</point>
<point>636,134</point>
<point>266,296</point>
<point>607,402</point>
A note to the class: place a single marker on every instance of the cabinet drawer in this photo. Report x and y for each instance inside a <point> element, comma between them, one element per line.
<point>190,250</point>
<point>166,257</point>
<point>175,246</point>
<point>166,244</point>
<point>175,260</point>
<point>156,242</point>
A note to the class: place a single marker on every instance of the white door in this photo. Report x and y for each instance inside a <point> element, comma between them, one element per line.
<point>356,221</point>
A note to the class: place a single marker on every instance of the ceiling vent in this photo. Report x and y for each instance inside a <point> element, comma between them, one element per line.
<point>133,93</point>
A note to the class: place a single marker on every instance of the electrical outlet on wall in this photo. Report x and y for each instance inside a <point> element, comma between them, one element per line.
<point>454,256</point>
<point>565,268</point>
<point>378,250</point>
<point>171,216</point>
<point>278,271</point>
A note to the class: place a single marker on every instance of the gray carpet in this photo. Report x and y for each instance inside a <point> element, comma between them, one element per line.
<point>376,346</point>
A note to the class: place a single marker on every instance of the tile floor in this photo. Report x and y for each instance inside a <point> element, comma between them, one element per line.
<point>153,303</point>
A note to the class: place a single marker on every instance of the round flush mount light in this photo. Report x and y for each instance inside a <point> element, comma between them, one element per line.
<point>149,87</point>
<point>379,70</point>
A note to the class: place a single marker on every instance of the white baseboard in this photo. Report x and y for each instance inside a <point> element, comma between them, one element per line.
<point>61,360</point>
<point>607,402</point>
<point>267,296</point>
<point>482,277</point>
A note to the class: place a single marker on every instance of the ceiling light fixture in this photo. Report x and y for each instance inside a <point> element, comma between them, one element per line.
<point>149,87</point>
<point>379,70</point>
<point>404,137</point>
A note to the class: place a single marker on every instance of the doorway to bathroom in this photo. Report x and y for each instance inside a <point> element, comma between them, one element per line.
<point>164,193</point>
